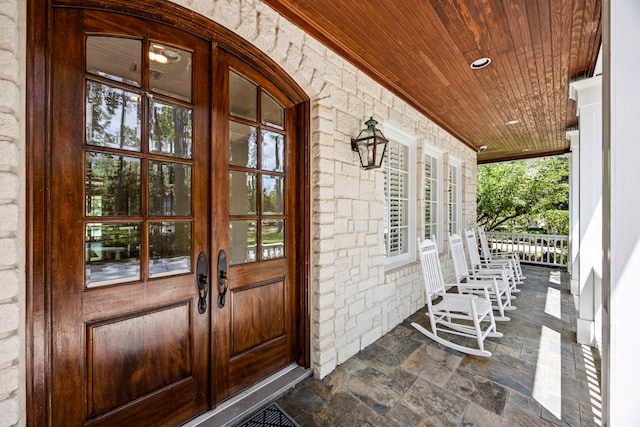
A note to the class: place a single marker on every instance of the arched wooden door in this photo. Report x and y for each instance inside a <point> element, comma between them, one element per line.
<point>166,151</point>
<point>256,329</point>
<point>130,188</point>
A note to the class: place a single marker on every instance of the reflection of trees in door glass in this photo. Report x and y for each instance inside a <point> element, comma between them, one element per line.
<point>272,151</point>
<point>170,130</point>
<point>169,248</point>
<point>169,188</point>
<point>272,187</point>
<point>113,117</point>
<point>112,185</point>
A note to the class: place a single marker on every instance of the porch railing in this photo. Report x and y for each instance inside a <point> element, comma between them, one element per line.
<point>542,249</point>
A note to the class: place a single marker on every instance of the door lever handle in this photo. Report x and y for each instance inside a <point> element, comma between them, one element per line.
<point>223,281</point>
<point>202,270</point>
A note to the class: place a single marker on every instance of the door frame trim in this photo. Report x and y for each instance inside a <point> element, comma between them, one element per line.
<point>38,333</point>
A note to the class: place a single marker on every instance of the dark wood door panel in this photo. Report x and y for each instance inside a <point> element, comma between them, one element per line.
<point>258,315</point>
<point>146,351</point>
<point>250,367</point>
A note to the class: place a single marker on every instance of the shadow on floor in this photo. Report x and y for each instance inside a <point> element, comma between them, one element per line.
<point>537,375</point>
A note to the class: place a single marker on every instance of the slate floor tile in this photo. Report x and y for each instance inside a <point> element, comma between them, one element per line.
<point>406,379</point>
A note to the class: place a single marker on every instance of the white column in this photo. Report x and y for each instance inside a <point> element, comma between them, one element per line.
<point>588,94</point>
<point>621,209</point>
<point>574,210</point>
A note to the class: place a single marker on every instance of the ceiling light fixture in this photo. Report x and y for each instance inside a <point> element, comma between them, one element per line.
<point>158,57</point>
<point>512,122</point>
<point>171,55</point>
<point>480,63</point>
<point>524,150</point>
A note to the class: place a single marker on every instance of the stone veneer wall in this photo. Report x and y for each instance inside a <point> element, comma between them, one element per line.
<point>12,212</point>
<point>354,300</point>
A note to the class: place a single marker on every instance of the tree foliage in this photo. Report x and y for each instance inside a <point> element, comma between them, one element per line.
<point>515,194</point>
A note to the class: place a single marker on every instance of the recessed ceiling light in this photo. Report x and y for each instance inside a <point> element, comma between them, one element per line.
<point>526,149</point>
<point>512,122</point>
<point>480,63</point>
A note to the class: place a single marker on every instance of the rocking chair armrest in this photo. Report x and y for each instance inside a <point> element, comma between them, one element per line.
<point>495,265</point>
<point>500,253</point>
<point>464,298</point>
<point>476,285</point>
<point>488,272</point>
<point>495,261</point>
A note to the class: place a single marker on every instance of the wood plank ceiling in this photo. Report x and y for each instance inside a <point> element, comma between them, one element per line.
<point>422,50</point>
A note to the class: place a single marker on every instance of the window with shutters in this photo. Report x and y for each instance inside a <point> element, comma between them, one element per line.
<point>455,196</point>
<point>399,198</point>
<point>432,192</point>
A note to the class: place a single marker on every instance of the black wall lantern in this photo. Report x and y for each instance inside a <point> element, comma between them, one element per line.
<point>370,145</point>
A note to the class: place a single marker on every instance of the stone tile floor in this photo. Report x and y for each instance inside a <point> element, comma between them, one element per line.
<point>537,374</point>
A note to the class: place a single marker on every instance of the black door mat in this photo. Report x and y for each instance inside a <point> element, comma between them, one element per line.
<point>270,416</point>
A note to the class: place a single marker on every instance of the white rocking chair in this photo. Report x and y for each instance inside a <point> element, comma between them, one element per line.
<point>488,255</point>
<point>498,288</point>
<point>478,266</point>
<point>453,313</point>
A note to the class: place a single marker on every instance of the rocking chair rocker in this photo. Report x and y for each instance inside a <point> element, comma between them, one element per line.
<point>453,313</point>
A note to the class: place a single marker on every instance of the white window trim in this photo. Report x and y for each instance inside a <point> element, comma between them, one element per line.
<point>438,155</point>
<point>397,134</point>
<point>458,214</point>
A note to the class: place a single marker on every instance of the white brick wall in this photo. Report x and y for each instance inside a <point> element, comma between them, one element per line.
<point>354,301</point>
<point>12,195</point>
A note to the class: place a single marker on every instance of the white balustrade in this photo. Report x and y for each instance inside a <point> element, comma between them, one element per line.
<point>542,249</point>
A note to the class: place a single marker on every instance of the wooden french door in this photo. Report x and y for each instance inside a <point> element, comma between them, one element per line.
<point>130,214</point>
<point>256,328</point>
<point>171,163</point>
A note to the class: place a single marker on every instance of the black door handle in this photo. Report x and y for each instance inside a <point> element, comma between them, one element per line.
<point>222,277</point>
<point>202,271</point>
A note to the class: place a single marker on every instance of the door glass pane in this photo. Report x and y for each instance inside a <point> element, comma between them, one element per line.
<point>243,97</point>
<point>115,58</point>
<point>112,185</point>
<point>242,193</point>
<point>242,241</point>
<point>169,248</point>
<point>169,188</point>
<point>113,117</point>
<point>243,147</point>
<point>170,71</point>
<point>170,130</point>
<point>112,253</point>
<point>272,195</point>
<point>272,239</point>
<point>272,151</point>
<point>272,112</point>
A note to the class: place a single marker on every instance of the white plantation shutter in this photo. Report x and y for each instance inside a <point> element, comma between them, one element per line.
<point>455,196</point>
<point>432,186</point>
<point>399,200</point>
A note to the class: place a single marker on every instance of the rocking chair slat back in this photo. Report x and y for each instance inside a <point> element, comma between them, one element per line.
<point>434,280</point>
<point>459,260</point>
<point>472,248</point>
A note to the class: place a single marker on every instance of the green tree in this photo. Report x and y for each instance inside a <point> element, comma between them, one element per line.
<point>515,194</point>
